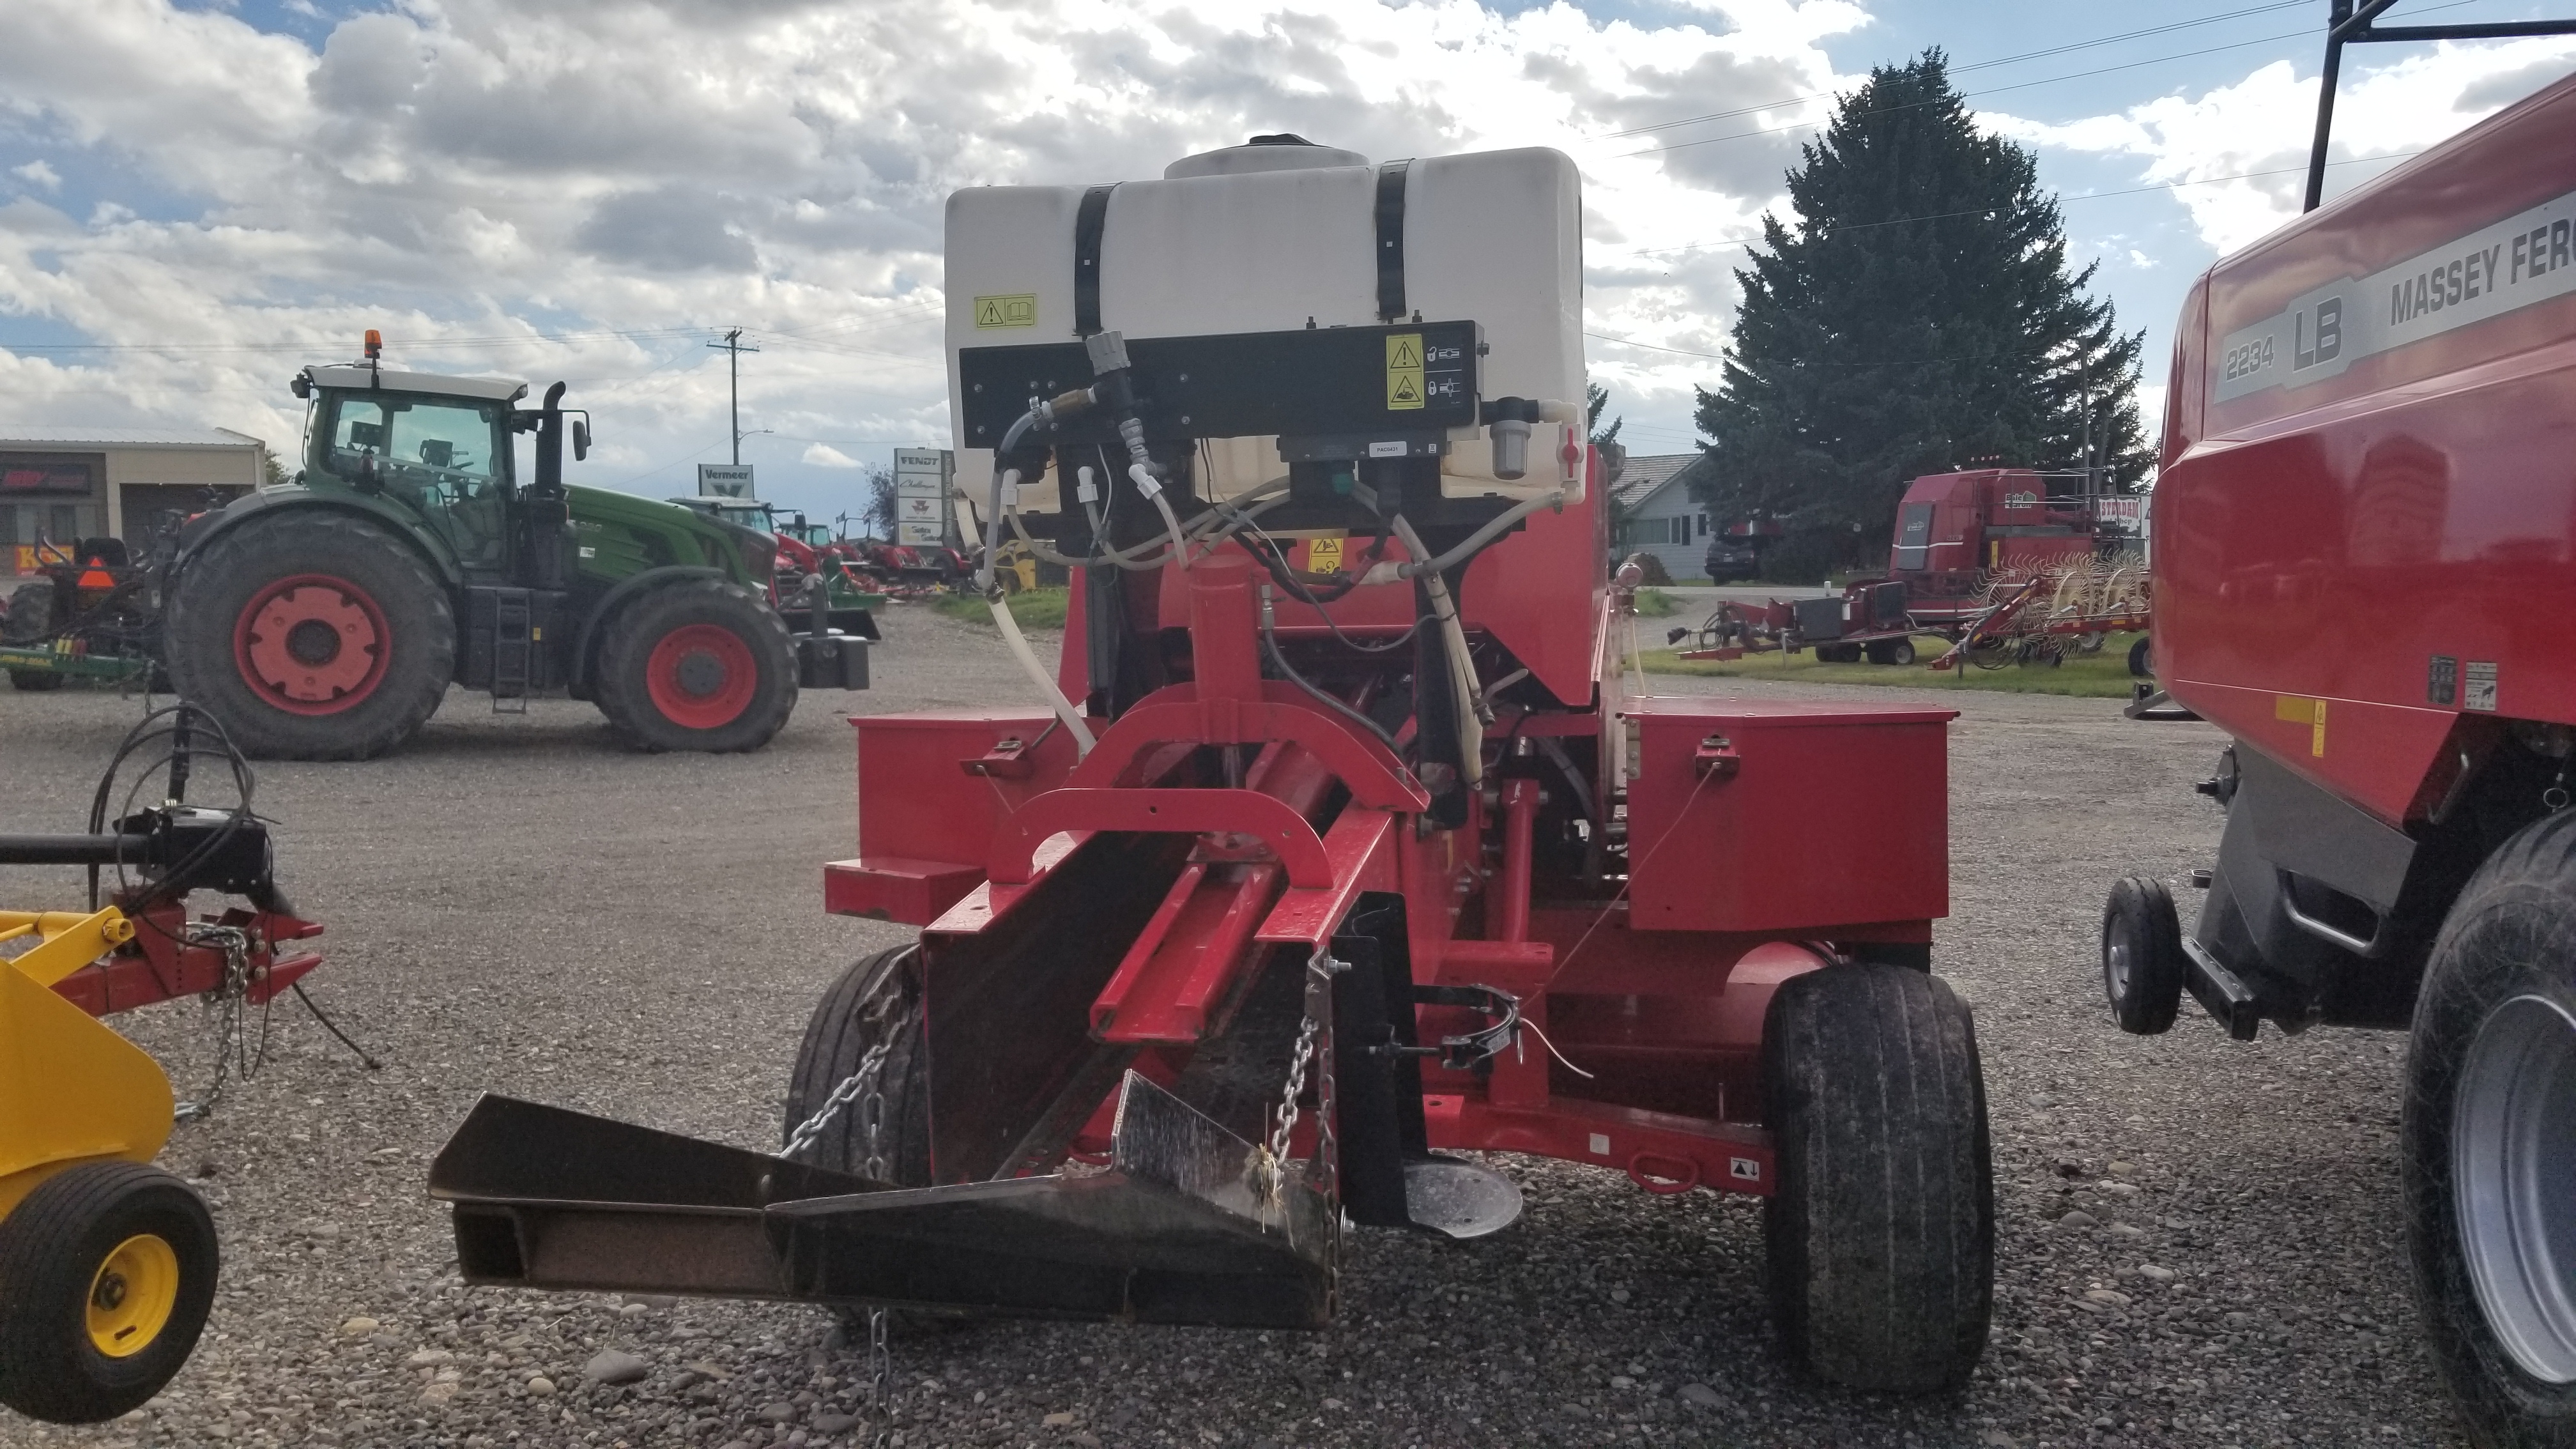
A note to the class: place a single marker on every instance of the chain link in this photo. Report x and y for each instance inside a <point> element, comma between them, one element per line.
<point>225,1002</point>
<point>842,1096</point>
<point>864,1087</point>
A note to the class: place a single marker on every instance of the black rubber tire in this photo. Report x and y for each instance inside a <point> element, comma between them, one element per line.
<point>1882,1219</point>
<point>51,1249</point>
<point>31,612</point>
<point>2142,664</point>
<point>627,644</point>
<point>220,579</point>
<point>1838,653</point>
<point>34,681</point>
<point>2511,933</point>
<point>2140,915</point>
<point>878,997</point>
<point>1892,651</point>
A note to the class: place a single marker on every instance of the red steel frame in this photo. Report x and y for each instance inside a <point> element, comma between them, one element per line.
<point>1766,840</point>
<point>159,964</point>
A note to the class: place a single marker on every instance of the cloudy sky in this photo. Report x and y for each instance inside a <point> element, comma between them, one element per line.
<point>197,198</point>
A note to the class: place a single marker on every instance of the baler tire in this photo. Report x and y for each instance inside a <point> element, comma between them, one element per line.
<point>2142,664</point>
<point>2142,958</point>
<point>1898,652</point>
<point>34,681</point>
<point>2506,956</point>
<point>1881,1221</point>
<point>878,995</point>
<point>56,1249</point>
<point>229,574</point>
<point>715,610</point>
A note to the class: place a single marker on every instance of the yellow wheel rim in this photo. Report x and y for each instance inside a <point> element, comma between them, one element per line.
<point>131,1295</point>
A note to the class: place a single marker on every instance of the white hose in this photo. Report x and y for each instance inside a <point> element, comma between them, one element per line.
<point>1028,657</point>
<point>1462,667</point>
<point>1146,484</point>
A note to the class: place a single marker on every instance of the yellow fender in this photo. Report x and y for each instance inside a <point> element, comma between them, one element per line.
<point>71,1089</point>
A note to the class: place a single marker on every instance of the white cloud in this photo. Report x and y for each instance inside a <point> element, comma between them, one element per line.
<point>630,176</point>
<point>2257,130</point>
<point>37,173</point>
<point>824,455</point>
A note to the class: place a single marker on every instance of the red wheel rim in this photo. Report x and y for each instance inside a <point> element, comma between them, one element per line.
<point>701,676</point>
<point>312,644</point>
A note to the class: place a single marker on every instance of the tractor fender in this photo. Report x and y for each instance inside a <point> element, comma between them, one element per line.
<point>260,503</point>
<point>585,644</point>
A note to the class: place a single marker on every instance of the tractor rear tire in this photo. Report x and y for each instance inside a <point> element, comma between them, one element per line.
<point>307,588</point>
<point>31,613</point>
<point>1881,1222</point>
<point>107,1271</point>
<point>701,664</point>
<point>2488,1144</point>
<point>2142,958</point>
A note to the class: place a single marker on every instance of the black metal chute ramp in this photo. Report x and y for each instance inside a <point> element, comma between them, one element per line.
<point>1183,1226</point>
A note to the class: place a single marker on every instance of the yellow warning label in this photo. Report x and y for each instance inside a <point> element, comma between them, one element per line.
<point>1324,555</point>
<point>1404,372</point>
<point>1020,309</point>
<point>2297,709</point>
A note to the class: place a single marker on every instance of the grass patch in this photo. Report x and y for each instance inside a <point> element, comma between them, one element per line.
<point>1034,609</point>
<point>2092,676</point>
<point>1656,604</point>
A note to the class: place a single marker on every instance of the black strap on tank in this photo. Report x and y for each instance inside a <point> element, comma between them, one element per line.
<point>1390,241</point>
<point>1088,222</point>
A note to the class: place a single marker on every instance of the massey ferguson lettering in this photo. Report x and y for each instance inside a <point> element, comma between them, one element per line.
<point>2496,269</point>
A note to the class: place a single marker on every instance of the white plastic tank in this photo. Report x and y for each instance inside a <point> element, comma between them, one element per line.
<point>1268,237</point>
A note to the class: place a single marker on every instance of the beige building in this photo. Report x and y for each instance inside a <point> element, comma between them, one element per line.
<point>75,483</point>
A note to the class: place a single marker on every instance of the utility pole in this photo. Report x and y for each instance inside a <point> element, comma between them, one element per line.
<point>734,347</point>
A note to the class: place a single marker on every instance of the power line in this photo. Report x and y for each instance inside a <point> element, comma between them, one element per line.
<point>1973,65</point>
<point>1998,90</point>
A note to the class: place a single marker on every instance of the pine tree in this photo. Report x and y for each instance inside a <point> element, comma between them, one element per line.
<point>1918,317</point>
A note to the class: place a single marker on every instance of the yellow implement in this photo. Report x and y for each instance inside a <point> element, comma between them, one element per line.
<point>107,1264</point>
<point>71,1089</point>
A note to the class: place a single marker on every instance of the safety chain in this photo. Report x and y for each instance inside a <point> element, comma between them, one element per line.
<point>842,1096</point>
<point>862,1086</point>
<point>226,1002</point>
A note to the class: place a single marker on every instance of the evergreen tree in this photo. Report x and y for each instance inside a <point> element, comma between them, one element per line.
<point>1917,318</point>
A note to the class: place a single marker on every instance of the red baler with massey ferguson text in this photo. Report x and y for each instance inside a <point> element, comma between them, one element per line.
<point>1333,845</point>
<point>2366,574</point>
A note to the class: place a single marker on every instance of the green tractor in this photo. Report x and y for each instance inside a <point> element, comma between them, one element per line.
<point>325,618</point>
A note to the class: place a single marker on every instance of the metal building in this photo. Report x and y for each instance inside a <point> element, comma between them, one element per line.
<point>61,485</point>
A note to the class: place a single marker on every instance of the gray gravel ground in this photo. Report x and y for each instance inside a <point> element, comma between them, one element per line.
<point>2199,1241</point>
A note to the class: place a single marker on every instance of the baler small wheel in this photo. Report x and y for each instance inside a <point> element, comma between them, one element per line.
<point>311,635</point>
<point>2142,664</point>
<point>107,1271</point>
<point>2488,1143</point>
<point>2142,958</point>
<point>697,665</point>
<point>1882,1221</point>
<point>1892,651</point>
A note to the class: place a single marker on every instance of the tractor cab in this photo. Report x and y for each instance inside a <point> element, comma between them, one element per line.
<point>441,448</point>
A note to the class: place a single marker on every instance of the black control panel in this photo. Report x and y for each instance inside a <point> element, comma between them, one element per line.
<point>1409,383</point>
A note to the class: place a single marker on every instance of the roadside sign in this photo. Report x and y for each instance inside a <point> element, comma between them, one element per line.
<point>725,480</point>
<point>921,533</point>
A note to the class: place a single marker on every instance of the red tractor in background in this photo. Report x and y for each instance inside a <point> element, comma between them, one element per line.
<point>2366,539</point>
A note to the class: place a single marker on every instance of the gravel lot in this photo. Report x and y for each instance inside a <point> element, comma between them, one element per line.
<point>515,905</point>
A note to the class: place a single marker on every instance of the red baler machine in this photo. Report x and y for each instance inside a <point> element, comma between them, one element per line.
<point>2366,575</point>
<point>1334,846</point>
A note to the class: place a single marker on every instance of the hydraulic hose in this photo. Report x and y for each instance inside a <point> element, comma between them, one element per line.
<point>1468,548</point>
<point>1146,484</point>
<point>1462,667</point>
<point>1037,672</point>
